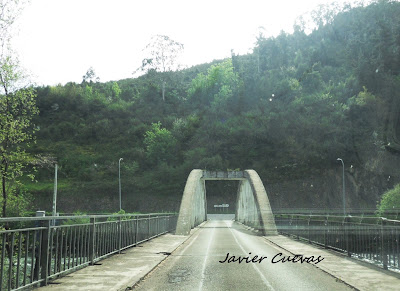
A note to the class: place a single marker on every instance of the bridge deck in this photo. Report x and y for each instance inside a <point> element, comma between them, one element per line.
<point>195,265</point>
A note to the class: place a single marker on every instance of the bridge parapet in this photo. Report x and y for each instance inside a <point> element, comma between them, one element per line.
<point>252,207</point>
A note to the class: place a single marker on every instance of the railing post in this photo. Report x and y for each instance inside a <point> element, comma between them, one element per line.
<point>148,228</point>
<point>44,260</point>
<point>36,266</point>
<point>136,229</point>
<point>384,244</point>
<point>157,226</point>
<point>297,227</point>
<point>347,235</point>
<point>92,245</point>
<point>308,228</point>
<point>119,235</point>
<point>326,232</point>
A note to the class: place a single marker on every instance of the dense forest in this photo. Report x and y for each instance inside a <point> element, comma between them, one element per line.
<point>288,110</point>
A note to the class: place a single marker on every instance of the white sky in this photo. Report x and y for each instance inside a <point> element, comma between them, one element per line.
<point>59,40</point>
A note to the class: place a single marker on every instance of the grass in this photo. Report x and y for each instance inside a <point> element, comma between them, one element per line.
<point>40,186</point>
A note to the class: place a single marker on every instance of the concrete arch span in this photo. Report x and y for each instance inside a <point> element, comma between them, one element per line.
<point>252,207</point>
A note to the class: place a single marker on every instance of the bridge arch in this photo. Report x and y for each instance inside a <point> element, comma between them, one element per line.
<point>252,207</point>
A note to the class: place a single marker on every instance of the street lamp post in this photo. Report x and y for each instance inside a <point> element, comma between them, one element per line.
<point>55,191</point>
<point>55,194</point>
<point>344,189</point>
<point>119,181</point>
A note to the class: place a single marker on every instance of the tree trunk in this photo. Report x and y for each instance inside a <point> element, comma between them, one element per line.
<point>163,90</point>
<point>3,182</point>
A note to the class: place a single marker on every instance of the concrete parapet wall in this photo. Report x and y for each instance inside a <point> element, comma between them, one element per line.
<point>193,206</point>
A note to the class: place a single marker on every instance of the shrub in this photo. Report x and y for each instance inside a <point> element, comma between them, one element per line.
<point>390,202</point>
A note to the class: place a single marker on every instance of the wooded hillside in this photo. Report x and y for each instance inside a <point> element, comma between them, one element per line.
<point>288,110</point>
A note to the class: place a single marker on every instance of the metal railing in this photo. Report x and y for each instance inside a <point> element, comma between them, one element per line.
<point>34,250</point>
<point>374,239</point>
<point>370,212</point>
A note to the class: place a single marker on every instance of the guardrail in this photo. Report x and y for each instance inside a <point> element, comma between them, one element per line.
<point>374,239</point>
<point>34,250</point>
<point>371,212</point>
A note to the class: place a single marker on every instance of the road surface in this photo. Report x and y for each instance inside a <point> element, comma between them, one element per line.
<point>196,264</point>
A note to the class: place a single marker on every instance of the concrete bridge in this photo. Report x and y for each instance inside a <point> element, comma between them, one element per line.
<point>252,206</point>
<point>208,252</point>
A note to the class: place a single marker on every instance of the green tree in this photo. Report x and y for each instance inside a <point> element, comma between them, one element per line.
<point>17,108</point>
<point>160,144</point>
<point>113,91</point>
<point>390,201</point>
<point>163,54</point>
<point>217,87</point>
<point>90,76</point>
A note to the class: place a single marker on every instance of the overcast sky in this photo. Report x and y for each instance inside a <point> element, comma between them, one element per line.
<point>59,40</point>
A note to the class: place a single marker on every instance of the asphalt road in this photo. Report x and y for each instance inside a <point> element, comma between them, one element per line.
<point>195,264</point>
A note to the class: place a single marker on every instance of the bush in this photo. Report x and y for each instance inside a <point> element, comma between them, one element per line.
<point>77,220</point>
<point>390,202</point>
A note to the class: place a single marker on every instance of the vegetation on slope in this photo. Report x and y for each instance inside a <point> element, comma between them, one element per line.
<point>287,110</point>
